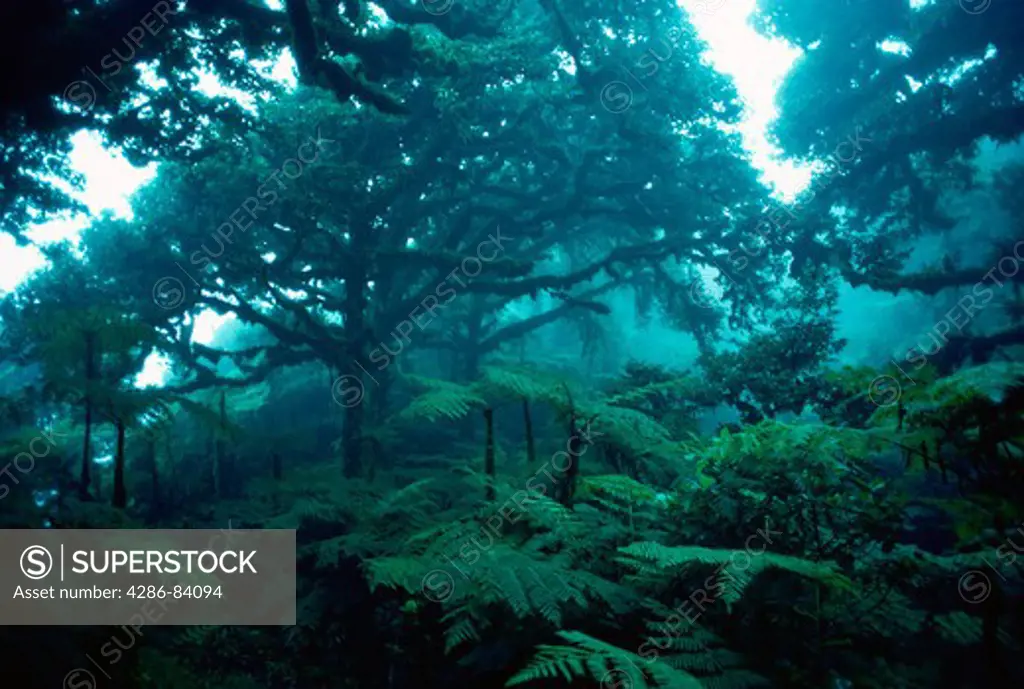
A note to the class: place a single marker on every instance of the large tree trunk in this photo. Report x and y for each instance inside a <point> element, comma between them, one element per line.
<point>120,493</point>
<point>86,476</point>
<point>381,394</point>
<point>352,440</point>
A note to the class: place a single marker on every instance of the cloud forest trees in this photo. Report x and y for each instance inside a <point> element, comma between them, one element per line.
<point>130,69</point>
<point>69,326</point>
<point>343,232</point>
<point>933,86</point>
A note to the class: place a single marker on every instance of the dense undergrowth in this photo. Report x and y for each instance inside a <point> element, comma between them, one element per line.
<point>593,535</point>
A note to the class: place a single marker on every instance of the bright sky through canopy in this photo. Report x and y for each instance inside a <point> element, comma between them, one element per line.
<point>109,180</point>
<point>757,65</point>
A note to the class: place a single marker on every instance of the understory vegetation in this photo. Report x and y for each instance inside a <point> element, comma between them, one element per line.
<point>588,535</point>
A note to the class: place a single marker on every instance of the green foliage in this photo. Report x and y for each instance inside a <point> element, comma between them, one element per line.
<point>605,663</point>
<point>653,561</point>
<point>620,489</point>
<point>440,399</point>
<point>607,421</point>
<point>779,368</point>
<point>515,383</point>
<point>978,413</point>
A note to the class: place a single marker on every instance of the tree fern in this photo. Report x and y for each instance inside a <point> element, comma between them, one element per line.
<point>936,400</point>
<point>550,514</point>
<point>622,489</point>
<point>567,662</point>
<point>441,400</point>
<point>655,560</point>
<point>989,380</point>
<point>515,383</point>
<point>692,648</point>
<point>684,386</point>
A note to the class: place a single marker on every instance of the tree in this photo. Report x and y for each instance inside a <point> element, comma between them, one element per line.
<point>339,231</point>
<point>898,100</point>
<point>88,351</point>
<point>90,79</point>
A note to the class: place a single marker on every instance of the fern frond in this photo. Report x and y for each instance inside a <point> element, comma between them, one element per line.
<point>398,572</point>
<point>960,628</point>
<point>656,559</point>
<point>509,382</point>
<point>461,631</point>
<point>608,664</point>
<point>683,386</point>
<point>553,515</point>
<point>567,662</point>
<point>441,400</point>
<point>618,487</point>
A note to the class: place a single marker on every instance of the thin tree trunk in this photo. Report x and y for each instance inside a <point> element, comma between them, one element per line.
<point>574,448</point>
<point>531,451</point>
<point>489,454</point>
<point>120,493</point>
<point>381,394</point>
<point>86,475</point>
<point>218,461</point>
<point>170,460</point>
<point>154,474</point>
<point>211,456</point>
